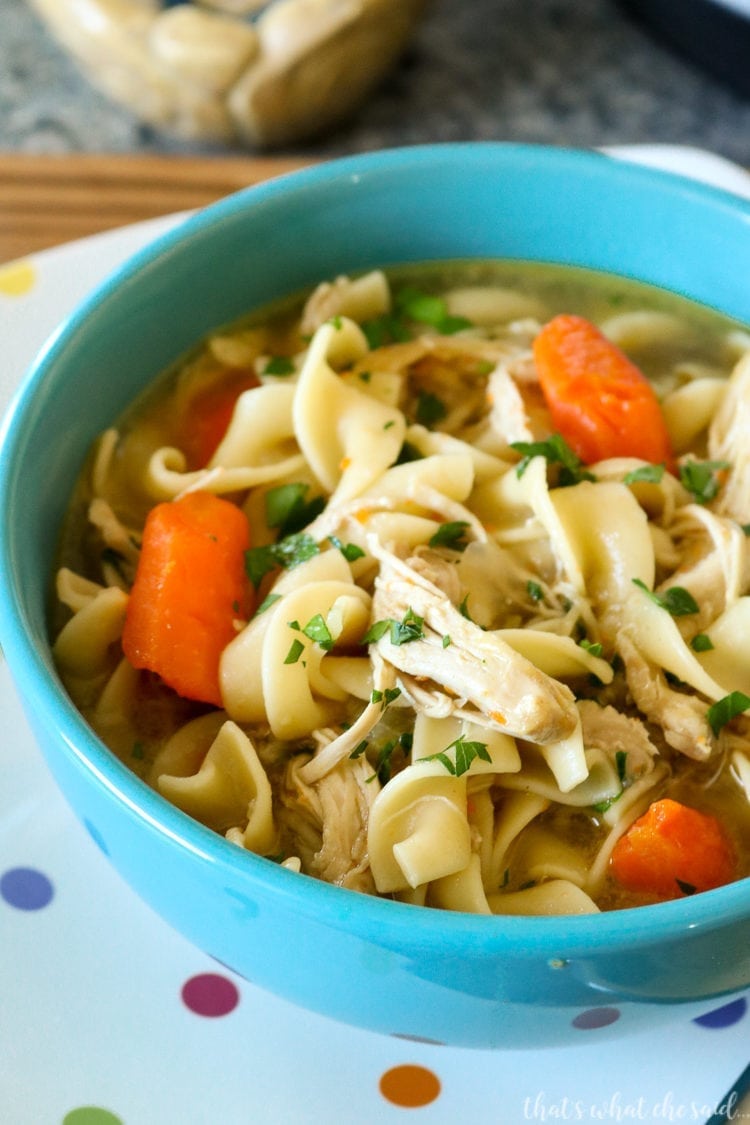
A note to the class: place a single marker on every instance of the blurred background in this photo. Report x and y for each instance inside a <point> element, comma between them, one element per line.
<point>577,72</point>
<point>112,111</point>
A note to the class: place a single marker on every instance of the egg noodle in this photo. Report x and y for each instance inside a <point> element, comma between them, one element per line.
<point>473,661</point>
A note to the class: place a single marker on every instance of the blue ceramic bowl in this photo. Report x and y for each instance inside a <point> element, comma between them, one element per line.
<point>407,971</point>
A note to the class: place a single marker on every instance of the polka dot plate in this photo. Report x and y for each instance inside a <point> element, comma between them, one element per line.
<point>108,1017</point>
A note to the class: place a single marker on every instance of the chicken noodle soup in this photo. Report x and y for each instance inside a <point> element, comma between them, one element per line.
<point>435,586</point>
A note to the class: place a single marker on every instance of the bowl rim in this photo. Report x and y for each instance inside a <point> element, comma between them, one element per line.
<point>45,697</point>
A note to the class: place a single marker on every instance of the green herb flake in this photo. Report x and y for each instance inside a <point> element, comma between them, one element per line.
<point>358,751</point>
<point>745,527</point>
<point>377,630</point>
<point>295,652</point>
<point>649,474</point>
<point>463,609</point>
<point>390,694</point>
<point>465,753</point>
<point>701,480</point>
<point>535,591</point>
<point>388,425</point>
<point>385,329</point>
<point>701,642</point>
<point>267,602</point>
<point>365,376</point>
<point>337,323</point>
<point>430,409</point>
<point>592,647</point>
<point>452,535</point>
<point>287,553</point>
<point>676,600</point>
<point>727,709</point>
<point>377,696</point>
<point>279,365</point>
<point>317,630</point>
<point>350,551</point>
<point>288,511</point>
<point>446,641</point>
<point>408,629</point>
<point>556,451</point>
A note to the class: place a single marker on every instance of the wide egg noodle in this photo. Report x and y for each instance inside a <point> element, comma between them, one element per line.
<point>229,791</point>
<point>347,437</point>
<point>418,830</point>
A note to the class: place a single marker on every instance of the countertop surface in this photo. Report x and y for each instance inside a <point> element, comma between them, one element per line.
<point>572,72</point>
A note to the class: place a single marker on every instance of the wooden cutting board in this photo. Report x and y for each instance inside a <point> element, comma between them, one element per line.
<point>46,200</point>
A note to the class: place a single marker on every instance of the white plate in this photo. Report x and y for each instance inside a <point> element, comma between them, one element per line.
<point>101,1003</point>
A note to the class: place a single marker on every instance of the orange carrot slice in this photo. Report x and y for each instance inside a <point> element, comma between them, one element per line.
<point>190,587</point>
<point>599,400</point>
<point>673,850</point>
<point>208,416</point>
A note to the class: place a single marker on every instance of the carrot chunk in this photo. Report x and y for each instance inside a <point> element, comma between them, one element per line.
<point>189,588</point>
<point>208,416</point>
<point>673,850</point>
<point>599,400</point>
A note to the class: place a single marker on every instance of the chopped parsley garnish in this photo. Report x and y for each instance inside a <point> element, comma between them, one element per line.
<point>701,642</point>
<point>359,750</point>
<point>294,652</point>
<point>463,609</point>
<point>267,602</point>
<point>727,709</point>
<point>676,600</point>
<point>428,309</point>
<point>383,762</point>
<point>337,322</point>
<point>279,365</point>
<point>385,697</point>
<point>451,534</point>
<point>386,329</point>
<point>317,630</point>
<point>446,641</point>
<point>389,424</point>
<point>287,509</point>
<point>465,753</point>
<point>409,628</point>
<point>592,647</point>
<point>534,590</point>
<point>650,474</point>
<point>700,479</point>
<point>556,451</point>
<point>287,553</point>
<point>429,409</point>
<point>350,551</point>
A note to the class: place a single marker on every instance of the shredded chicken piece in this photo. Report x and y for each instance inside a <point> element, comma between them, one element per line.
<point>118,539</point>
<point>682,718</point>
<point>326,822</point>
<point>715,566</point>
<point>613,732</point>
<point>437,570</point>
<point>334,750</point>
<point>508,417</point>
<point>472,674</point>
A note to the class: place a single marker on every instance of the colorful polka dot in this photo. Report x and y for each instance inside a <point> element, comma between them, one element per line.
<point>209,994</point>
<point>91,1115</point>
<point>594,1018</point>
<point>26,888</point>
<point>409,1086</point>
<point>17,279</point>
<point>725,1016</point>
